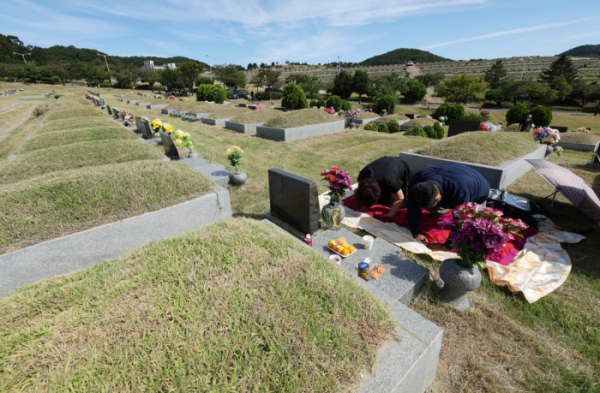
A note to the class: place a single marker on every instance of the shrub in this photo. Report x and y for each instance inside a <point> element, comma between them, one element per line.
<point>204,80</point>
<point>439,130</point>
<point>211,93</point>
<point>334,102</point>
<point>541,116</point>
<point>496,95</point>
<point>346,105</point>
<point>57,96</point>
<point>393,126</point>
<point>416,131</point>
<point>431,133</point>
<point>416,91</point>
<point>275,95</point>
<point>450,111</point>
<point>383,128</point>
<point>314,103</point>
<point>473,117</point>
<point>321,102</point>
<point>367,127</point>
<point>293,97</point>
<point>386,102</point>
<point>342,85</point>
<point>517,113</point>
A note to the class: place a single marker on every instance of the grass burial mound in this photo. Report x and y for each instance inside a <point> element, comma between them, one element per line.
<point>78,155</point>
<point>85,112</point>
<point>299,118</point>
<point>61,203</point>
<point>487,148</point>
<point>77,122</point>
<point>420,122</point>
<point>255,116</point>
<point>61,138</point>
<point>386,119</point>
<point>44,108</point>
<point>578,137</point>
<point>190,106</point>
<point>200,312</point>
<point>367,115</point>
<point>226,112</point>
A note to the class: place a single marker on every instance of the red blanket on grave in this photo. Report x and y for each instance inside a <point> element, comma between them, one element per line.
<point>436,234</point>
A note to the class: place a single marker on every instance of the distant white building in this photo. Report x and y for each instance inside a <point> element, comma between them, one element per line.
<point>149,65</point>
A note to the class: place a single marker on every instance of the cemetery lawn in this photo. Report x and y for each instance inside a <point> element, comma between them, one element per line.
<point>61,138</point>
<point>83,112</point>
<point>78,155</point>
<point>488,148</point>
<point>200,312</point>
<point>370,115</point>
<point>302,117</point>
<point>60,203</point>
<point>226,111</point>
<point>578,137</point>
<point>255,116</point>
<point>73,123</point>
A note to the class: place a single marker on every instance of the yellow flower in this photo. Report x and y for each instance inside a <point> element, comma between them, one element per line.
<point>179,134</point>
<point>186,134</point>
<point>168,128</point>
<point>233,149</point>
<point>178,142</point>
<point>156,124</point>
<point>185,99</point>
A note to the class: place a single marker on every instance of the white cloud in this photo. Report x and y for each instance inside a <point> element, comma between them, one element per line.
<point>505,33</point>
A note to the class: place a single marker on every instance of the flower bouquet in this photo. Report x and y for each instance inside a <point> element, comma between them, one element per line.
<point>351,115</point>
<point>172,97</point>
<point>127,122</point>
<point>338,182</point>
<point>480,232</point>
<point>260,106</point>
<point>331,111</point>
<point>182,139</point>
<point>234,155</point>
<point>545,135</point>
<point>157,125</point>
<point>582,130</point>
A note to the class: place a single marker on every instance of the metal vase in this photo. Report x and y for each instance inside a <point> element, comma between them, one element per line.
<point>458,281</point>
<point>239,178</point>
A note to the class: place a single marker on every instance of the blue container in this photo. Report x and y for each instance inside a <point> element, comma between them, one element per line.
<point>363,271</point>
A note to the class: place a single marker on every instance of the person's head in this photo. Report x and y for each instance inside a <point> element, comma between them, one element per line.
<point>368,193</point>
<point>528,117</point>
<point>424,195</point>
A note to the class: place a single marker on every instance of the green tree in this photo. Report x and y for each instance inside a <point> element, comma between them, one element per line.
<point>540,94</point>
<point>32,71</point>
<point>230,75</point>
<point>360,83</point>
<point>416,91</point>
<point>585,92</point>
<point>515,90</point>
<point>171,79</point>
<point>204,80</point>
<point>342,85</point>
<point>496,96</point>
<point>495,75</point>
<point>386,102</point>
<point>562,66</point>
<point>460,88</point>
<point>189,72</point>
<point>517,113</point>
<point>293,97</point>
<point>74,71</point>
<point>431,80</point>
<point>150,76</point>
<point>267,77</point>
<point>541,116</point>
<point>562,87</point>
<point>57,70</point>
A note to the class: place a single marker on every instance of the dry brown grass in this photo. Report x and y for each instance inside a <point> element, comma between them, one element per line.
<point>255,116</point>
<point>578,137</point>
<point>302,117</point>
<point>367,115</point>
<point>421,122</point>
<point>44,108</point>
<point>226,111</point>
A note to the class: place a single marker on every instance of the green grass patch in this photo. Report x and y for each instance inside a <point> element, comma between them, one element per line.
<point>61,138</point>
<point>85,112</point>
<point>579,137</point>
<point>488,148</point>
<point>201,312</point>
<point>386,119</point>
<point>77,155</point>
<point>255,116</point>
<point>60,203</point>
<point>77,122</point>
<point>302,117</point>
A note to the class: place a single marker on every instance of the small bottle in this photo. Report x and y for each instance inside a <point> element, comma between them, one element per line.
<point>307,239</point>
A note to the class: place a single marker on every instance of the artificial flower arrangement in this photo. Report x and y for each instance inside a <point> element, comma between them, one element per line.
<point>234,155</point>
<point>182,139</point>
<point>480,232</point>
<point>226,102</point>
<point>126,112</point>
<point>157,125</point>
<point>186,99</point>
<point>260,106</point>
<point>352,114</point>
<point>338,182</point>
<point>582,130</point>
<point>487,127</point>
<point>558,150</point>
<point>172,97</point>
<point>545,135</point>
<point>127,122</point>
<point>331,111</point>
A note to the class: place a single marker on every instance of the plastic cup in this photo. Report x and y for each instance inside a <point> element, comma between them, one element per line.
<point>368,242</point>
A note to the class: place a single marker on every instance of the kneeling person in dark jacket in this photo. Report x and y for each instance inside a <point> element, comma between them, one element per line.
<point>440,188</point>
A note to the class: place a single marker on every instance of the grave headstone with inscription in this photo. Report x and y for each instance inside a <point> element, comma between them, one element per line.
<point>169,146</point>
<point>461,126</point>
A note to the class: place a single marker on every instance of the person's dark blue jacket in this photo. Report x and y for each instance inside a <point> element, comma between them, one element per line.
<point>458,184</point>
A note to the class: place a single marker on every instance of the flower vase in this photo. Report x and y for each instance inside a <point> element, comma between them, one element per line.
<point>333,213</point>
<point>458,280</point>
<point>239,179</point>
<point>549,150</point>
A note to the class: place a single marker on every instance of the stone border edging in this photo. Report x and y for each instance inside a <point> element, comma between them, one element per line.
<point>156,106</point>
<point>294,133</point>
<point>579,146</point>
<point>500,176</point>
<point>214,122</point>
<point>243,128</point>
<point>86,248</point>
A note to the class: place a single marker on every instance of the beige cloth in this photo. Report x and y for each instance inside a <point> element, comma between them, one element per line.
<point>537,270</point>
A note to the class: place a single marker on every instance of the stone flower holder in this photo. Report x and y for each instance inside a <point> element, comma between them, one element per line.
<point>458,280</point>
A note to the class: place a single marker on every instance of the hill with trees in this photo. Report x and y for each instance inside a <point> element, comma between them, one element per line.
<point>584,51</point>
<point>402,55</point>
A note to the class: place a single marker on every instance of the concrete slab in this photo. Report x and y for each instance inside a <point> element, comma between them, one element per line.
<point>403,280</point>
<point>132,101</point>
<point>216,173</point>
<point>500,176</point>
<point>199,116</point>
<point>365,121</point>
<point>142,103</point>
<point>292,134</point>
<point>32,97</point>
<point>214,122</point>
<point>156,106</point>
<point>579,146</point>
<point>243,128</point>
<point>87,248</point>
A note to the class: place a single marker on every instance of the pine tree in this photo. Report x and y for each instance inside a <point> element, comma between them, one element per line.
<point>494,75</point>
<point>562,66</point>
<point>342,85</point>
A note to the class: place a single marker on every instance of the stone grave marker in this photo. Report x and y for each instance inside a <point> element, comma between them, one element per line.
<point>147,132</point>
<point>116,112</point>
<point>108,109</point>
<point>460,126</point>
<point>294,202</point>
<point>596,161</point>
<point>139,124</point>
<point>170,148</point>
<point>560,129</point>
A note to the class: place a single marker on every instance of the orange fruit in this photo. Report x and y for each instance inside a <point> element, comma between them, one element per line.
<point>351,249</point>
<point>345,252</point>
<point>341,241</point>
<point>332,244</point>
<point>345,245</point>
<point>339,249</point>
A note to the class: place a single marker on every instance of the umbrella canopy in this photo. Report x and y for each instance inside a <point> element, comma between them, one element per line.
<point>571,186</point>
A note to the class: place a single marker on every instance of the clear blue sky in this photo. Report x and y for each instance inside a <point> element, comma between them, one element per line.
<point>243,31</point>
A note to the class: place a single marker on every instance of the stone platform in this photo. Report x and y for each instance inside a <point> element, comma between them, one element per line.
<point>217,174</point>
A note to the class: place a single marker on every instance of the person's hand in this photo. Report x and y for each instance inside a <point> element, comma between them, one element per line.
<point>421,238</point>
<point>389,215</point>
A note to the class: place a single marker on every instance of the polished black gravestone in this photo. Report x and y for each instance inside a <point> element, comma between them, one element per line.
<point>596,161</point>
<point>294,201</point>
<point>147,132</point>
<point>116,113</point>
<point>170,148</point>
<point>461,126</point>
<point>139,125</point>
<point>108,109</point>
<point>560,129</point>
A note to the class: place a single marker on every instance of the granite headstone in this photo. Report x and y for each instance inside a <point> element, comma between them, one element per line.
<point>294,200</point>
<point>560,129</point>
<point>108,109</point>
<point>461,126</point>
<point>116,113</point>
<point>170,148</point>
<point>147,132</point>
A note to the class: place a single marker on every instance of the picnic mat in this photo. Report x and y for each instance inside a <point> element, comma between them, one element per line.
<point>541,266</point>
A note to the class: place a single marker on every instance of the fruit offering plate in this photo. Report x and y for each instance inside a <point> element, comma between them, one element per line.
<point>342,255</point>
<point>334,245</point>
